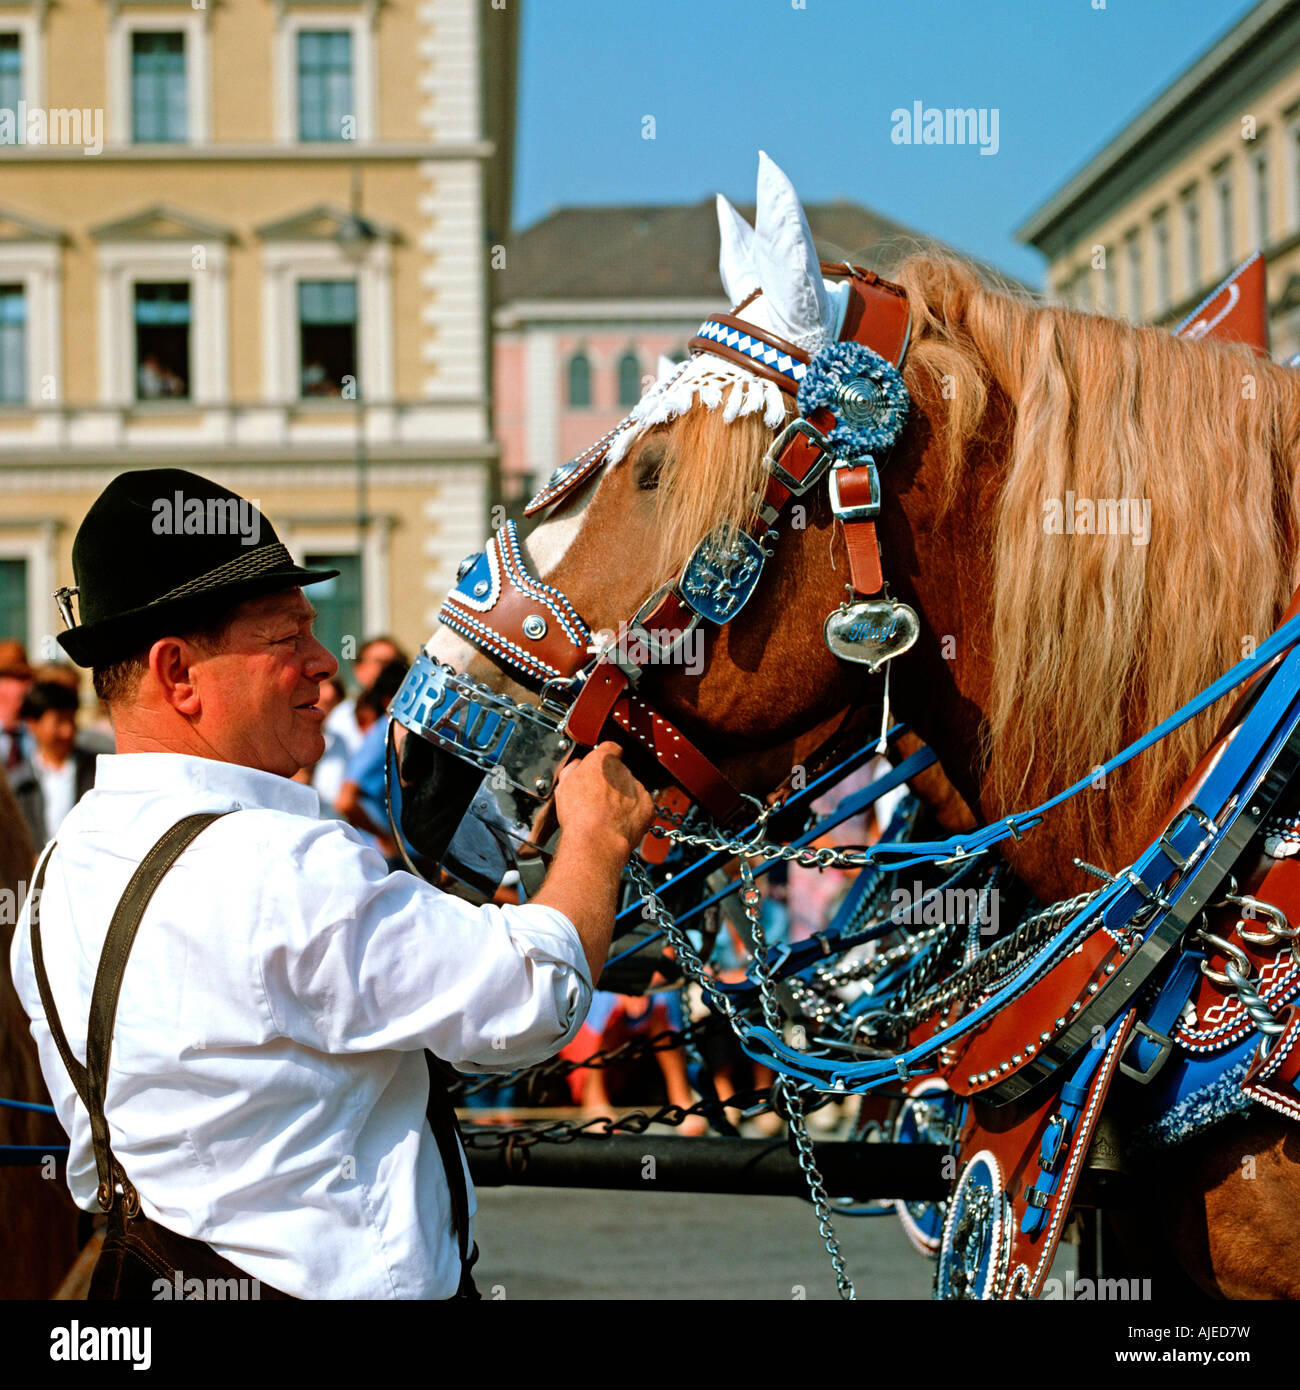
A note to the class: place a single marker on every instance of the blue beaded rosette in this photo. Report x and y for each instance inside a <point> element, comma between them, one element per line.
<point>865,393</point>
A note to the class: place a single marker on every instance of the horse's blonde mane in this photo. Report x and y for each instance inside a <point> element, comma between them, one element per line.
<point>1095,637</point>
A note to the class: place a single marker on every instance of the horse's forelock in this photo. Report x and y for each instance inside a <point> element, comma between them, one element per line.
<point>712,472</point>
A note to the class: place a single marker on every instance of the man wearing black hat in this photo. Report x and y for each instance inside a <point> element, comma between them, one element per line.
<point>245,1086</point>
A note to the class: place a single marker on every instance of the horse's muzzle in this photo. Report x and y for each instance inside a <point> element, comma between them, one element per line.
<point>478,773</point>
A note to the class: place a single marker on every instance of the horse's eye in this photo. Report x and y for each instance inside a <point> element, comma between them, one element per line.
<point>649,466</point>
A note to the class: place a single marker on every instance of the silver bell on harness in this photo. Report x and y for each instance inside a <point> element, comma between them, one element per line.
<point>477,774</point>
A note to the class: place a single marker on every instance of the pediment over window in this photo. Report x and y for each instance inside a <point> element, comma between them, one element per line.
<point>322,223</point>
<point>161,223</point>
<point>15,226</point>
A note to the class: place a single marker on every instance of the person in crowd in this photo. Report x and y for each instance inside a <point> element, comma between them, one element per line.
<point>326,774</point>
<point>727,1068</point>
<point>98,738</point>
<point>58,773</point>
<point>16,743</point>
<point>361,800</point>
<point>651,1079</point>
<point>371,658</point>
<point>151,381</point>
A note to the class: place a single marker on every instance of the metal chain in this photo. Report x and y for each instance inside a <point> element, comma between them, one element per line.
<point>749,1103</point>
<point>848,857</point>
<point>558,1067</point>
<point>997,960</point>
<point>792,1102</point>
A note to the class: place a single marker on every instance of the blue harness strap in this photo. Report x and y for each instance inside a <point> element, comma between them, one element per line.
<point>1151,1044</point>
<point>1055,1143</point>
<point>1266,747</point>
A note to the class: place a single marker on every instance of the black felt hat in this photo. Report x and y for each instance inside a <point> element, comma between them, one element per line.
<point>160,548</point>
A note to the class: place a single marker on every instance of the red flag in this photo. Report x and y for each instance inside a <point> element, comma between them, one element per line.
<point>1236,312</point>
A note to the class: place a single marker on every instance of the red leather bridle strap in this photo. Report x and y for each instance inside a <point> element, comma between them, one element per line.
<point>606,696</point>
<point>691,769</point>
<point>525,623</point>
<point>859,487</point>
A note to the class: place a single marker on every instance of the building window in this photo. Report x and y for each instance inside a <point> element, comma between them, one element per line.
<point>629,379</point>
<point>579,380</point>
<point>1295,177</point>
<point>325,85</point>
<point>159,99</point>
<point>1260,167</point>
<point>1074,290</point>
<point>162,341</point>
<point>13,600</point>
<point>1133,263</point>
<point>13,344</point>
<point>1192,239</point>
<point>337,601</point>
<point>1164,280</point>
<point>1223,206</point>
<point>11,74</point>
<point>327,338</point>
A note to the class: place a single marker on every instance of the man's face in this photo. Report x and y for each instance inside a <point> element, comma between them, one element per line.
<point>13,690</point>
<point>259,693</point>
<point>371,661</point>
<point>55,733</point>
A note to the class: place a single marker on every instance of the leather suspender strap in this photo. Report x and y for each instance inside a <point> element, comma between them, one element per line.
<point>103,1000</point>
<point>75,1070</point>
<point>446,1133</point>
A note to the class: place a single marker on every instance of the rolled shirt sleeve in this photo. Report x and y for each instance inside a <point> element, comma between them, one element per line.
<point>363,960</point>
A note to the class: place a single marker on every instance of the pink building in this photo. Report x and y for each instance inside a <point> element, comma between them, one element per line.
<point>591,297</point>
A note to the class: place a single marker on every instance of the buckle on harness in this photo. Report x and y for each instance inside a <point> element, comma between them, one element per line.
<point>864,511</point>
<point>772,459</point>
<point>1164,1046</point>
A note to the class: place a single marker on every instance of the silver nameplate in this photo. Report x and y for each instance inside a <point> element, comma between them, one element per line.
<point>871,632</point>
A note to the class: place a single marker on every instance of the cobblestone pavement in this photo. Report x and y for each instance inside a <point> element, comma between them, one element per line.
<point>584,1244</point>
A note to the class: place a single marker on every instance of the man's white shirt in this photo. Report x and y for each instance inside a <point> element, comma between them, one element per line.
<point>267,1088</point>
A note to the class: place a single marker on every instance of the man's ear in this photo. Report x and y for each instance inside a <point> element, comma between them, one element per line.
<point>171,661</point>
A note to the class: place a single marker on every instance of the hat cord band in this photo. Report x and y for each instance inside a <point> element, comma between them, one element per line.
<point>263,560</point>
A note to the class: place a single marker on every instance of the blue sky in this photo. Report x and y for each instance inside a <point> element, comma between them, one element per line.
<point>815,87</point>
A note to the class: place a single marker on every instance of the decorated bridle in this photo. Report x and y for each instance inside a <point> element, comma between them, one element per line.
<point>851,406</point>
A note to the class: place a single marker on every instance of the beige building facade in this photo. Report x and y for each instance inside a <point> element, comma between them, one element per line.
<point>1208,174</point>
<point>251,238</point>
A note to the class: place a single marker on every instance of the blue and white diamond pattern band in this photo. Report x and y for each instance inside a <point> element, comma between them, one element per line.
<point>754,348</point>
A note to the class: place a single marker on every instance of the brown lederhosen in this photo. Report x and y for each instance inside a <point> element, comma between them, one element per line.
<point>139,1253</point>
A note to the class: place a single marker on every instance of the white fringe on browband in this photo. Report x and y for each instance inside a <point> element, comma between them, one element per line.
<point>709,381</point>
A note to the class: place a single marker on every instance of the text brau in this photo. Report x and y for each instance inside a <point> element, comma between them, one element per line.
<point>950,125</point>
<point>1098,516</point>
<point>179,515</point>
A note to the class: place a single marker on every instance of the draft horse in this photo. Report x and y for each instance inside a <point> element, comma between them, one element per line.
<point>1050,634</point>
